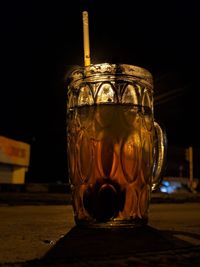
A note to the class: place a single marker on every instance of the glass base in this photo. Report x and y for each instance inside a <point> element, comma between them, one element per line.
<point>113,223</point>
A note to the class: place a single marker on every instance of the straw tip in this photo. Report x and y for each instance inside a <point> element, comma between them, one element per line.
<point>85,13</point>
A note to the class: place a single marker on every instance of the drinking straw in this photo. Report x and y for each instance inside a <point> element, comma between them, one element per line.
<point>86,41</point>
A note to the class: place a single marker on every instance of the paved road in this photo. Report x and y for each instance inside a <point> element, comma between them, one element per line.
<point>29,232</point>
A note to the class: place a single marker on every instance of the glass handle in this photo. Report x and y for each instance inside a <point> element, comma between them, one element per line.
<point>160,152</point>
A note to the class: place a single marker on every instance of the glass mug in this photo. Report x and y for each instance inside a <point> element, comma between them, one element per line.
<point>116,151</point>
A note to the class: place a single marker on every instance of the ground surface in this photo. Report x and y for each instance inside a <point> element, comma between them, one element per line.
<point>44,235</point>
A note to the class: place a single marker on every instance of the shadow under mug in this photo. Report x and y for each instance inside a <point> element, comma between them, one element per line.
<point>116,150</point>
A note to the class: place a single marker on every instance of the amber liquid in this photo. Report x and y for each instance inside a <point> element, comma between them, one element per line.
<point>110,154</point>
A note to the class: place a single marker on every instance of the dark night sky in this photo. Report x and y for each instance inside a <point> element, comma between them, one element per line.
<point>40,40</point>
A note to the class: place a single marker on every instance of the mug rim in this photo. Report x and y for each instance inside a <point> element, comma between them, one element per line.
<point>111,69</point>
